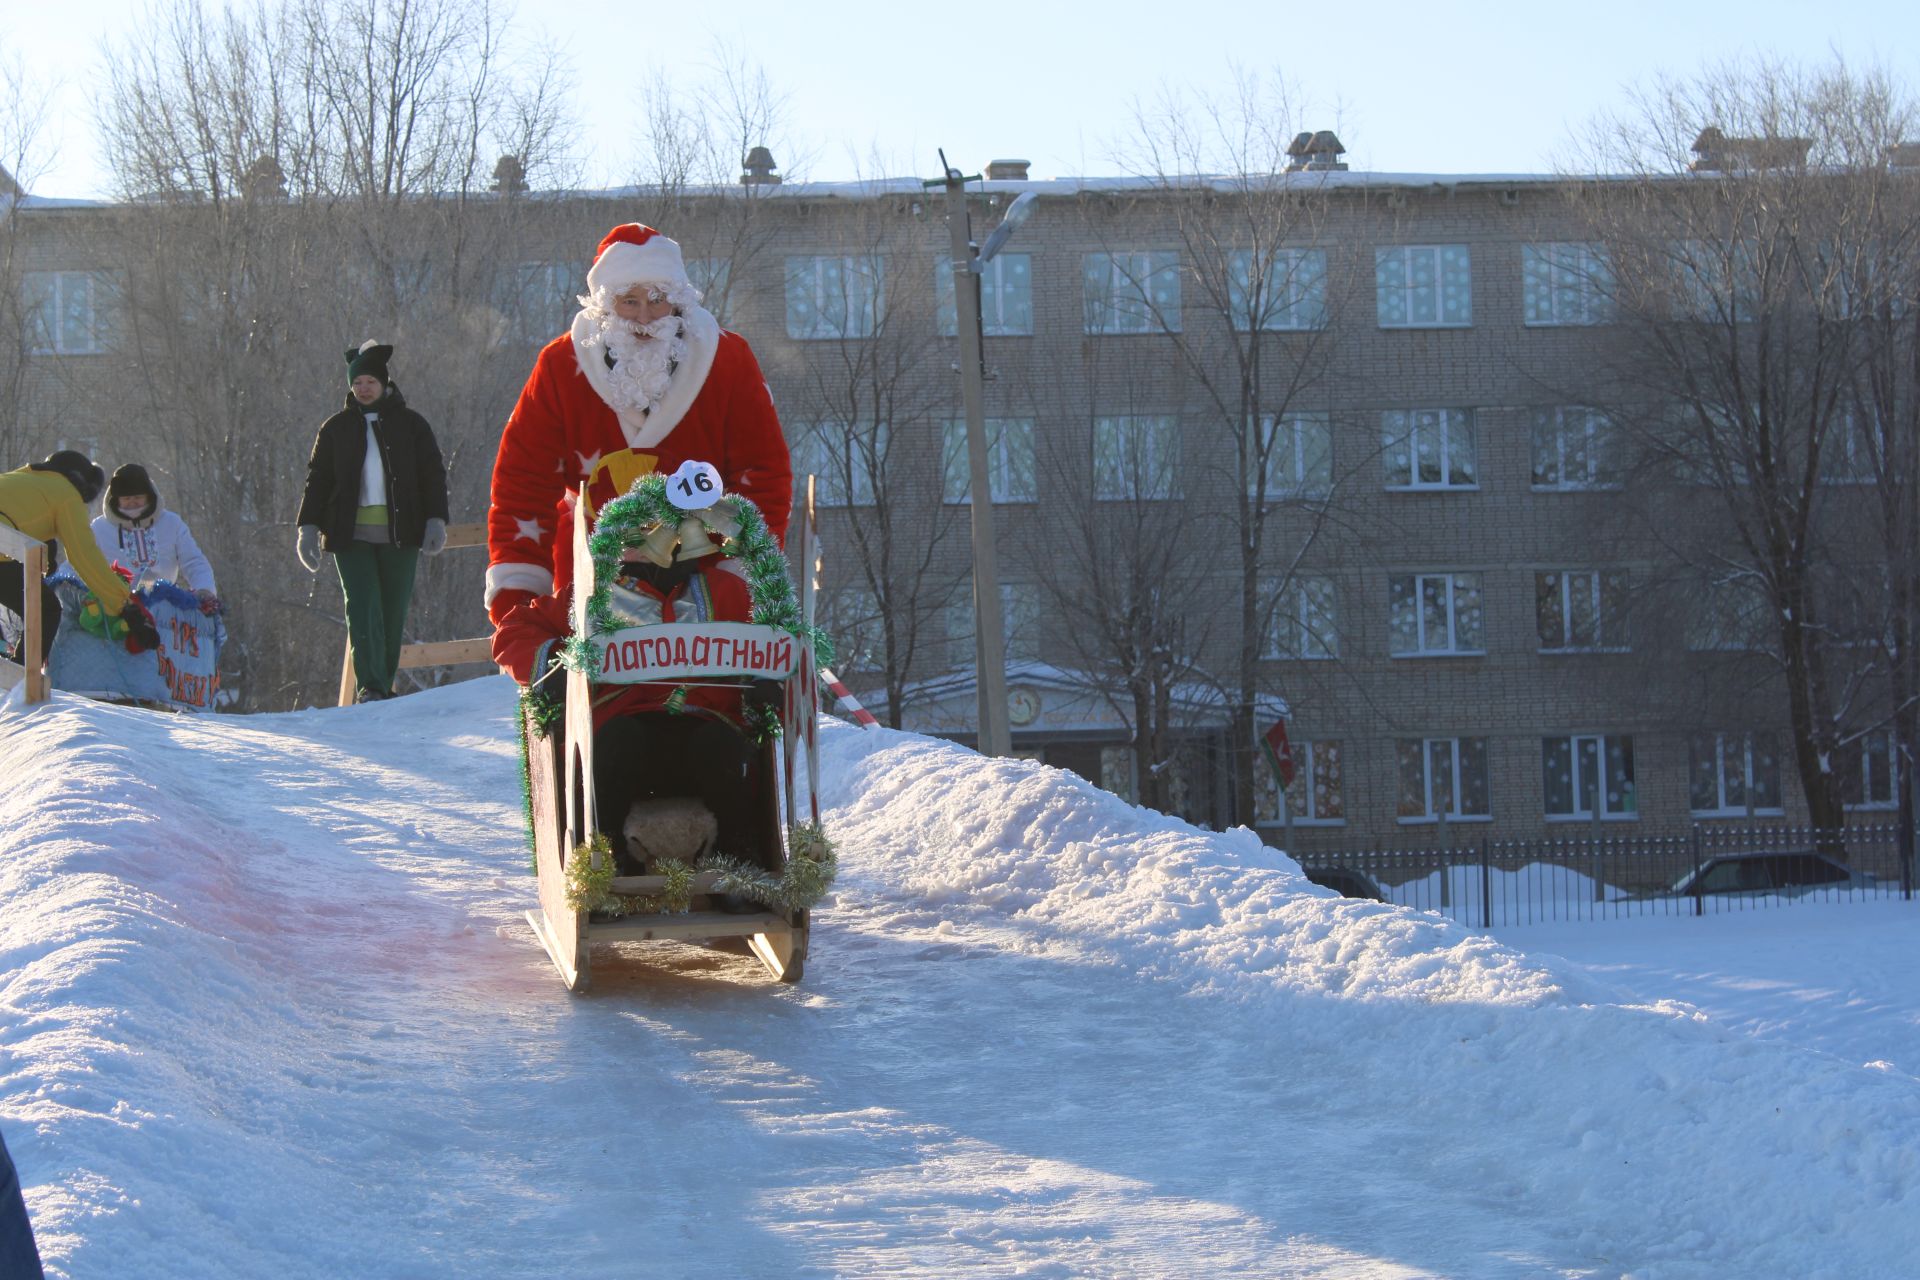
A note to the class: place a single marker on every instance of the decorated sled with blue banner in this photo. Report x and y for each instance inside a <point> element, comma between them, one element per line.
<point>91,653</point>
<point>689,867</point>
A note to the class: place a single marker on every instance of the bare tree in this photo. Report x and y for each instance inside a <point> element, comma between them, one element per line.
<point>863,415</point>
<point>1249,321</point>
<point>23,108</point>
<point>1733,236</point>
<point>694,151</point>
<point>280,236</point>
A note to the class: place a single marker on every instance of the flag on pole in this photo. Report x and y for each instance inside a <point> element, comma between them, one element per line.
<point>1279,752</point>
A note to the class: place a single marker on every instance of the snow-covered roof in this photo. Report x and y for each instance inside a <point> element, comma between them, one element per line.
<point>1064,186</point>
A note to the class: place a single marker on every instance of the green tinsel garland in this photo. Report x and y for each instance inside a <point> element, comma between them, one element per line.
<point>590,874</point>
<point>625,520</point>
<point>544,715</point>
<point>809,873</point>
<point>811,867</point>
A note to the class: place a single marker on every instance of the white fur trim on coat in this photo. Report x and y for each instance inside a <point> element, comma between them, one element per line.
<point>511,576</point>
<point>644,431</point>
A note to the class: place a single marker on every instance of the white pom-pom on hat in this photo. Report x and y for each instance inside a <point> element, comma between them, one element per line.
<point>633,253</point>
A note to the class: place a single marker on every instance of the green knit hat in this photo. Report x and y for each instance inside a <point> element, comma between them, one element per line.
<point>369,357</point>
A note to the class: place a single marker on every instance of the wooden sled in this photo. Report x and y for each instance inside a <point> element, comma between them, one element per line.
<point>560,772</point>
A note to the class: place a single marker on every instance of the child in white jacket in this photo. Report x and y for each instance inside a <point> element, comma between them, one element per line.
<point>135,530</point>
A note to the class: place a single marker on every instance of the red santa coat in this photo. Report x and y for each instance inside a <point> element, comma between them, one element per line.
<point>564,432</point>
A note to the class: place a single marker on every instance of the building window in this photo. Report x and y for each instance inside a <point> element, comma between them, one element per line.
<point>1716,282</point>
<point>1583,770</point>
<point>71,313</point>
<point>1131,292</point>
<point>1852,450</point>
<point>1733,774</point>
<point>1710,442</point>
<point>1313,797</point>
<point>1566,283</point>
<point>1574,448</point>
<point>1730,615</point>
<point>1867,774</point>
<point>1443,776</point>
<point>848,461</point>
<point>1006,296</point>
<point>1424,286</point>
<point>1019,626</point>
<point>1010,466</point>
<point>852,617</point>
<point>539,298</point>
<point>1429,449</point>
<point>1304,622</point>
<point>1852,601</point>
<point>713,277</point>
<point>831,296</point>
<point>1298,449</point>
<point>1291,294</point>
<point>1434,613</point>
<point>1134,458</point>
<point>1582,610</point>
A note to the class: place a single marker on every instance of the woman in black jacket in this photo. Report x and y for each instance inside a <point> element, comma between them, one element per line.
<point>376,497</point>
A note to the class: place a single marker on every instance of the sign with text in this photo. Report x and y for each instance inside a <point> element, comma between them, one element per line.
<point>190,643</point>
<point>695,651</point>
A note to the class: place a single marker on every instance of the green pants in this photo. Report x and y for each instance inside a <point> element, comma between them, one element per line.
<point>377,580</point>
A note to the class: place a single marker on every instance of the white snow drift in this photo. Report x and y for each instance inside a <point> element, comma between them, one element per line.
<point>269,1008</point>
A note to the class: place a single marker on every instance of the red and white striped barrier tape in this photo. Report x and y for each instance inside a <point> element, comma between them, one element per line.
<point>848,703</point>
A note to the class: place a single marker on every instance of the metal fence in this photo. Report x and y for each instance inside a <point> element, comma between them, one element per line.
<point>1710,869</point>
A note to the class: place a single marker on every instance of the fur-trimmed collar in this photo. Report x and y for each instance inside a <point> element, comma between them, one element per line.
<point>644,431</point>
<point>144,522</point>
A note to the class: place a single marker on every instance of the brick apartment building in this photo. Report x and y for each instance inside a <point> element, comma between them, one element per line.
<point>1470,621</point>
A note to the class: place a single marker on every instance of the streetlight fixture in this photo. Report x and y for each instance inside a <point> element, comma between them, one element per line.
<point>989,639</point>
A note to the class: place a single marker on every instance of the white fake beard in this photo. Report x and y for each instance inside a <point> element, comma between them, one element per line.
<point>643,366</point>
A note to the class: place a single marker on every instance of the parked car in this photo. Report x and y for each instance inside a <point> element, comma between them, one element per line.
<point>1345,881</point>
<point>1789,871</point>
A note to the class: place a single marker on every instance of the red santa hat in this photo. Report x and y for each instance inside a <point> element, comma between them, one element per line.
<point>636,254</point>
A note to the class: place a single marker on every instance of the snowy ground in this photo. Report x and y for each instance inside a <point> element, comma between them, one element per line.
<point>268,1007</point>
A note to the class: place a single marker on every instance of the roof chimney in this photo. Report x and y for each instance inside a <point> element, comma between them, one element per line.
<point>263,180</point>
<point>1720,153</point>
<point>1319,151</point>
<point>1010,170</point>
<point>509,176</point>
<point>760,169</point>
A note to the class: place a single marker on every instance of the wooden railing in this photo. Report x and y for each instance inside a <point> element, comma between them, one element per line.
<point>437,653</point>
<point>32,555</point>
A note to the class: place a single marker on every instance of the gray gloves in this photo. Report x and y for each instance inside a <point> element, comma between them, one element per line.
<point>434,540</point>
<point>308,547</point>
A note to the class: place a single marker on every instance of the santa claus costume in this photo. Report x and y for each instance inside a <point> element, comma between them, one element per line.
<point>610,401</point>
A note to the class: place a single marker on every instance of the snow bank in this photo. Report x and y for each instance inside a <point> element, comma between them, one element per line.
<point>268,1008</point>
<point>1649,1133</point>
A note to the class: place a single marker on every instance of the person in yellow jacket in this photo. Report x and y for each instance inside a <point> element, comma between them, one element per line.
<point>51,499</point>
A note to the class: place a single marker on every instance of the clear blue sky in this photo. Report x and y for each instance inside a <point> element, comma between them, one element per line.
<point>1480,86</point>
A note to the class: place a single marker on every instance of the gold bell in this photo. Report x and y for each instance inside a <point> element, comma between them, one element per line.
<point>694,541</point>
<point>723,518</point>
<point>658,545</point>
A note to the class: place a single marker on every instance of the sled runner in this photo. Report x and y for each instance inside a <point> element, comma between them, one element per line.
<point>688,903</point>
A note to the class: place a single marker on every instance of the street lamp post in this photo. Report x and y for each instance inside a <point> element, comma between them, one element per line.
<point>989,638</point>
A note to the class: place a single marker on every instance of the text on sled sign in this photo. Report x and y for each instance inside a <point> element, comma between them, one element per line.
<point>695,650</point>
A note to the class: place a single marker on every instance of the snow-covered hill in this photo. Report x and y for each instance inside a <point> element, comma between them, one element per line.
<point>268,1007</point>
